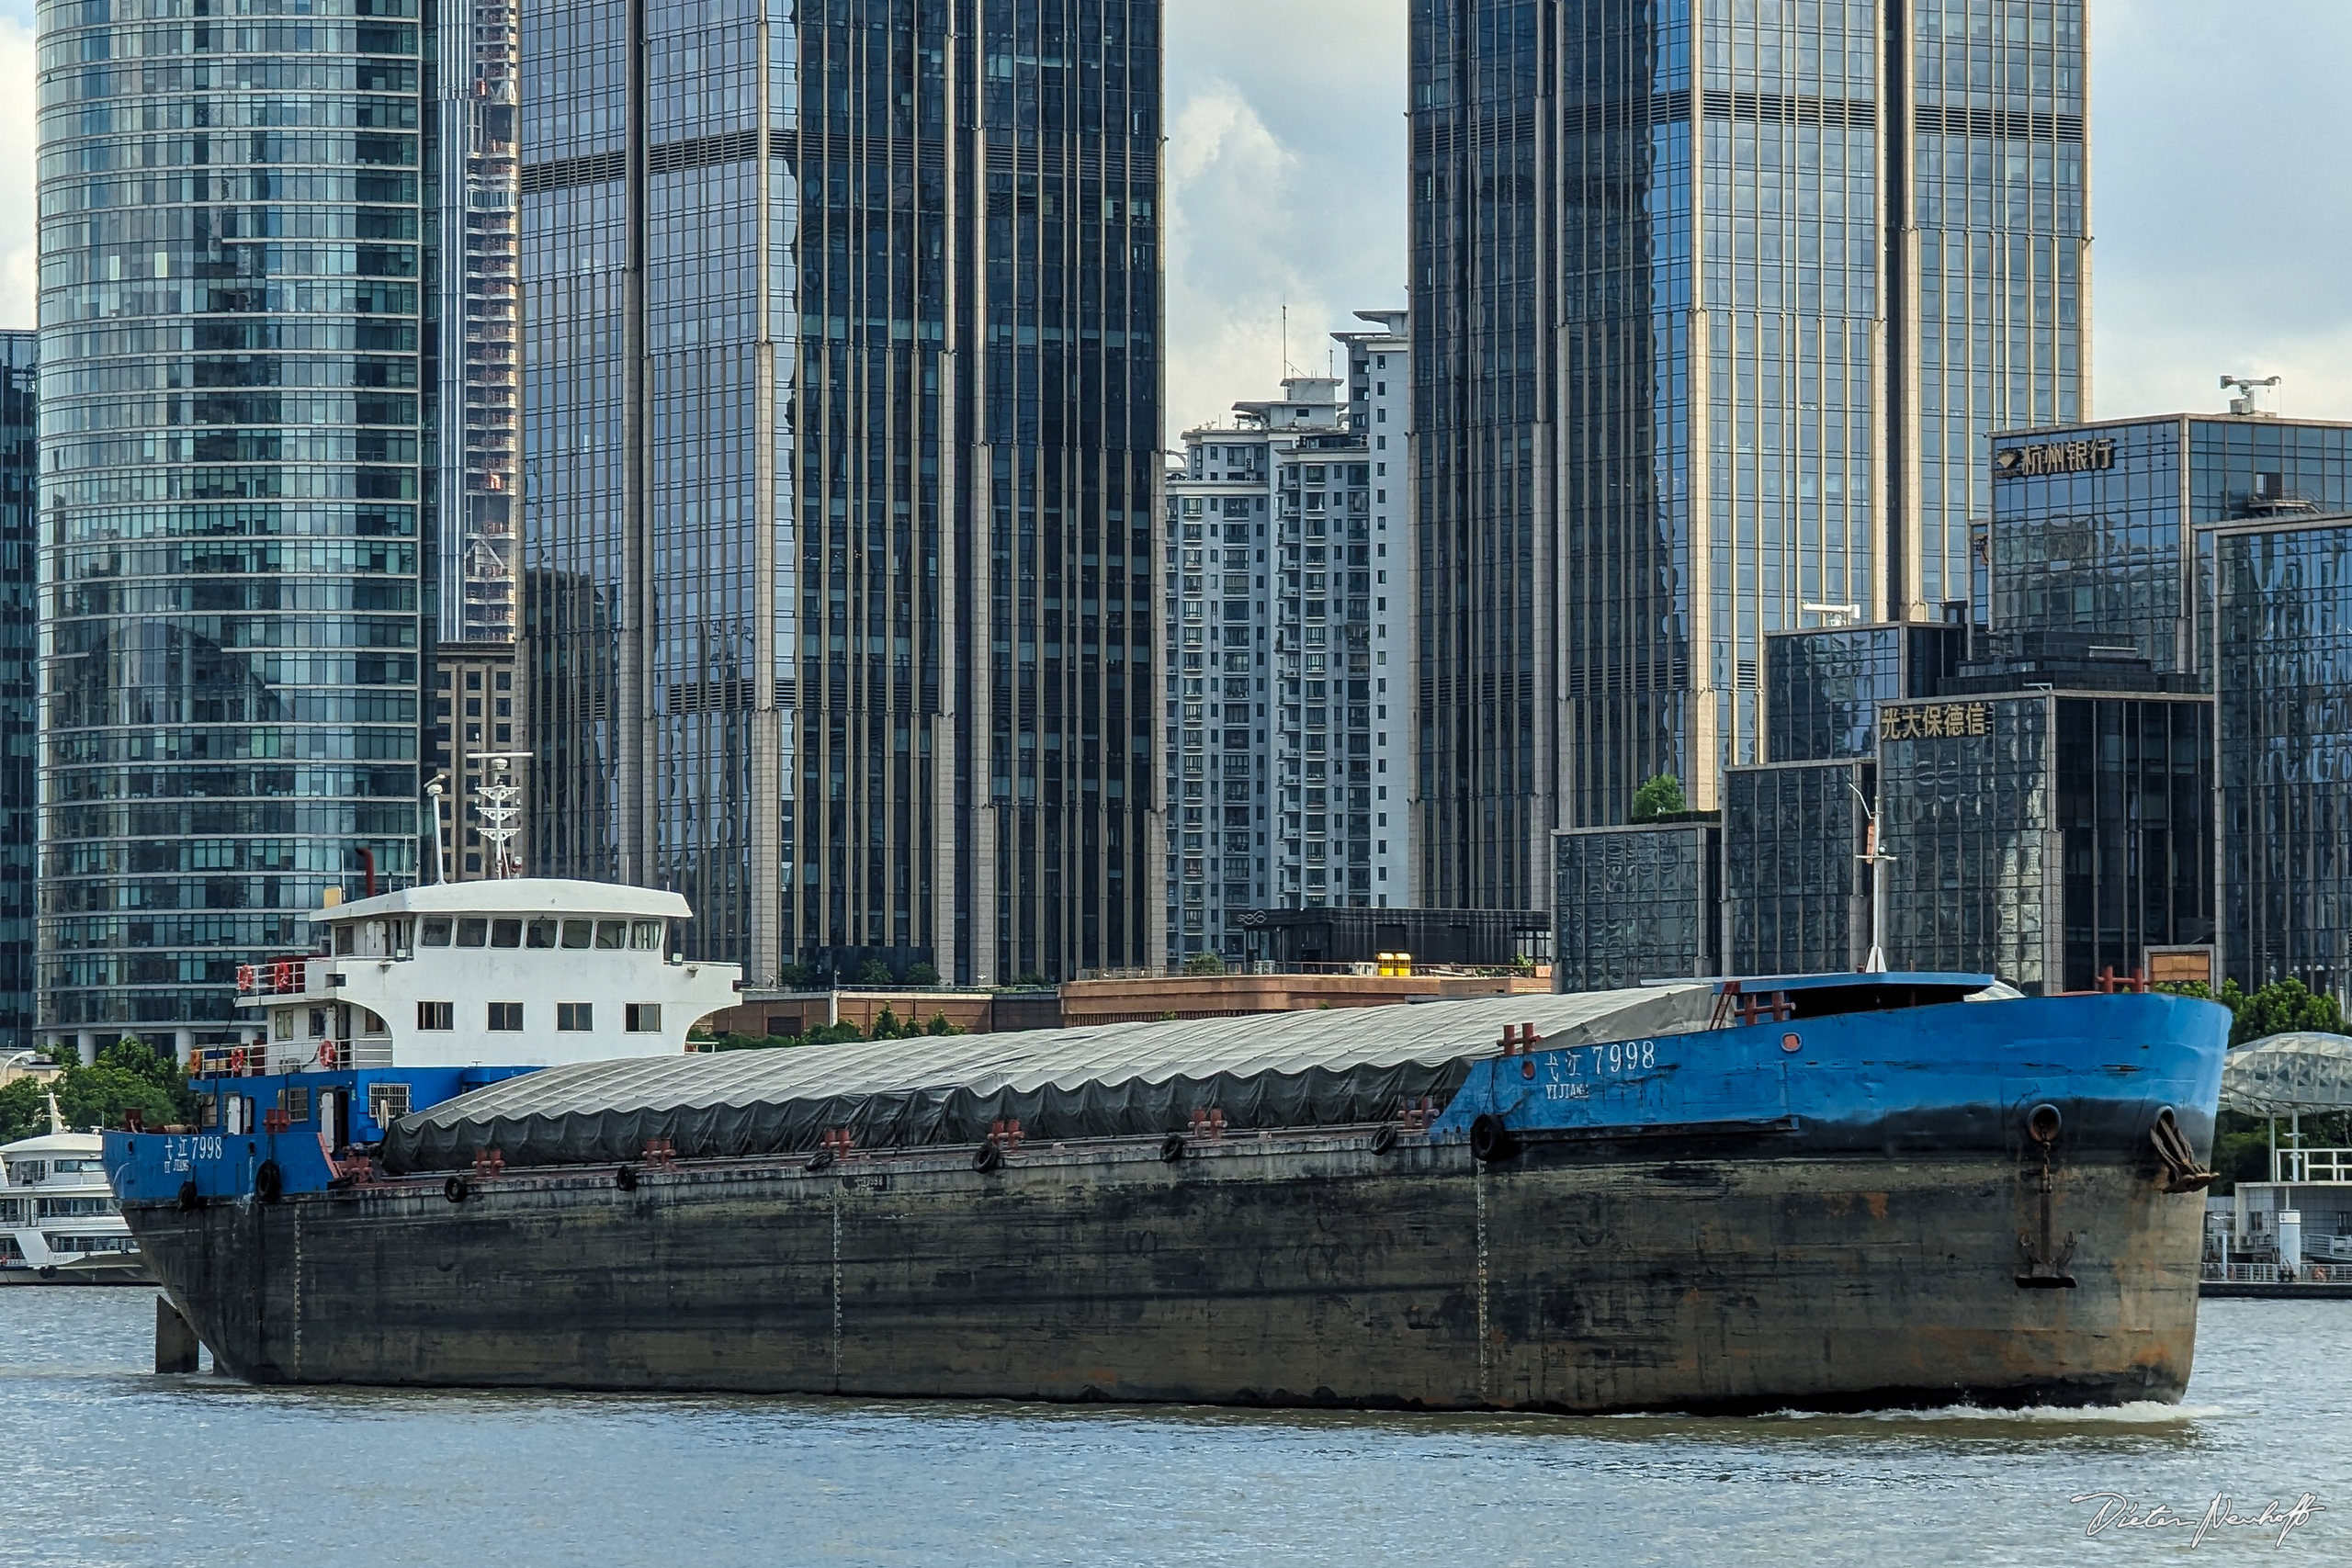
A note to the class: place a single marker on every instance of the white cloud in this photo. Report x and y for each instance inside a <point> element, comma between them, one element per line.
<point>19,260</point>
<point>1285,183</point>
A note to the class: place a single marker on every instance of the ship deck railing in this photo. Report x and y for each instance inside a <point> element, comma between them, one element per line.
<point>2312,1166</point>
<point>2268,1274</point>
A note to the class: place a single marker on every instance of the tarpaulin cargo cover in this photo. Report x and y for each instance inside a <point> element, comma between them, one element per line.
<point>1334,1067</point>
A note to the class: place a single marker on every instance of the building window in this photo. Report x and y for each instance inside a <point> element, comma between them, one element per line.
<point>506,1018</point>
<point>437,1016</point>
<point>645,1018</point>
<point>573,1018</point>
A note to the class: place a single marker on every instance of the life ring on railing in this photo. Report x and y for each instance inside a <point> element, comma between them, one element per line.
<point>237,1062</point>
<point>326,1055</point>
<point>245,976</point>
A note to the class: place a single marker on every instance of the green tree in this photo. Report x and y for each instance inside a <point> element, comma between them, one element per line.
<point>939,1025</point>
<point>2282,1006</point>
<point>1659,796</point>
<point>1203,964</point>
<point>874,972</point>
<point>921,974</point>
<point>128,1076</point>
<point>24,1109</point>
<point>886,1025</point>
<point>796,977</point>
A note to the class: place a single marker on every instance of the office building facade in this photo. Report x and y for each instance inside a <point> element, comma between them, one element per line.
<point>2283,690</point>
<point>2105,529</point>
<point>19,646</point>
<point>1713,306</point>
<point>1640,902</point>
<point>2047,837</point>
<point>1796,886</point>
<point>1286,597</point>
<point>235,388</point>
<point>840,470</point>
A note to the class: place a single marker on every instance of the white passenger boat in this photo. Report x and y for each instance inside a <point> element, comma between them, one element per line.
<point>59,1220</point>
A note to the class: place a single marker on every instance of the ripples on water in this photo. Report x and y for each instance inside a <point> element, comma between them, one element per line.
<point>102,1462</point>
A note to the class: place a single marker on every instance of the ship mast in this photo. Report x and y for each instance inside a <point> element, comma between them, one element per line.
<point>500,806</point>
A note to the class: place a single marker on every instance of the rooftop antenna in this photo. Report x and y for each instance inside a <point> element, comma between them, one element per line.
<point>498,810</point>
<point>1288,370</point>
<point>2243,404</point>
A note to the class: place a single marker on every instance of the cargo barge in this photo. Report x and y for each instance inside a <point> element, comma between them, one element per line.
<point>1825,1191</point>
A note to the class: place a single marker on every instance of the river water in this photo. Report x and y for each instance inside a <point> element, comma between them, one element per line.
<point>103,1462</point>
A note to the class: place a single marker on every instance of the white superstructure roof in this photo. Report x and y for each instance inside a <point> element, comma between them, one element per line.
<point>515,896</point>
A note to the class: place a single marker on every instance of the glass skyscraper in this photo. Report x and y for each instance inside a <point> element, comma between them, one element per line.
<point>20,475</point>
<point>841,445</point>
<point>232,398</point>
<point>1714,302</point>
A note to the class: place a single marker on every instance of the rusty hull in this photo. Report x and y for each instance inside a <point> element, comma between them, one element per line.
<point>1307,1270</point>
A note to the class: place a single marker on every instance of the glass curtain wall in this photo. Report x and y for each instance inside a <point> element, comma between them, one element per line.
<point>840,448</point>
<point>1988,244</point>
<point>2283,683</point>
<point>1803,258</point>
<point>234,394</point>
<point>19,474</point>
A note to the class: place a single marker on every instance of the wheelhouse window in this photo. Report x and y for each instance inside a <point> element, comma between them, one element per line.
<point>575,1017</point>
<point>612,935</point>
<point>346,939</point>
<point>579,934</point>
<point>507,933</point>
<point>645,936</point>
<point>433,933</point>
<point>436,1015</point>
<point>540,934</point>
<point>473,930</point>
<point>506,1018</point>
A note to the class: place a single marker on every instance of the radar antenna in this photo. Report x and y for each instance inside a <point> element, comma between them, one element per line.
<point>2244,385</point>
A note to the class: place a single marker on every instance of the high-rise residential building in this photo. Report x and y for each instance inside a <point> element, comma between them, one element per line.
<point>477,730</point>
<point>235,384</point>
<point>1715,305</point>
<point>20,477</point>
<point>1286,770</point>
<point>840,448</point>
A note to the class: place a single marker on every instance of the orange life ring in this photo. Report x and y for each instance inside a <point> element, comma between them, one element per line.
<point>237,1060</point>
<point>326,1055</point>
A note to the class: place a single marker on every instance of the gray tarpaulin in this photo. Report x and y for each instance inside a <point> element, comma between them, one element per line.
<point>2281,1075</point>
<point>1330,1067</point>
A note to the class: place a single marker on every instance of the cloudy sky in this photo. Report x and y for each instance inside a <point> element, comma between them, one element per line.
<point>2221,193</point>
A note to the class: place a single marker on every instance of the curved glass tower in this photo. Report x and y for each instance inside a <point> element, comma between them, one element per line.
<point>231,373</point>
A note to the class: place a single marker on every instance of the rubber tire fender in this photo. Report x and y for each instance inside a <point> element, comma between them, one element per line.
<point>626,1178</point>
<point>1384,1140</point>
<point>986,1157</point>
<point>1491,1141</point>
<point>1171,1148</point>
<point>190,1199</point>
<point>269,1182</point>
<point>457,1190</point>
<point>822,1160</point>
